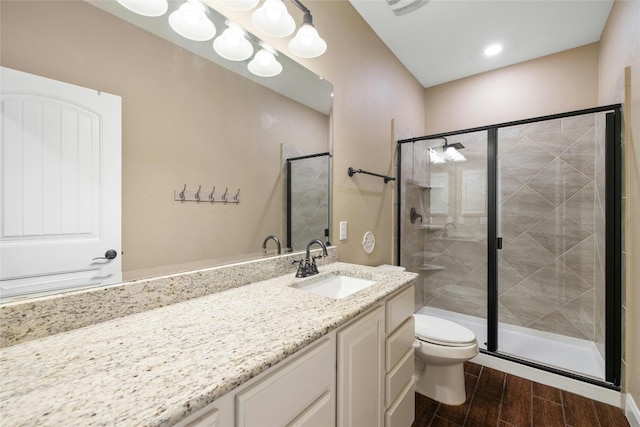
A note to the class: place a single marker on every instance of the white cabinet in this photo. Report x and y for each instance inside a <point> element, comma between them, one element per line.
<point>375,366</point>
<point>399,386</point>
<point>361,371</point>
<point>297,393</point>
<point>210,418</point>
<point>358,376</point>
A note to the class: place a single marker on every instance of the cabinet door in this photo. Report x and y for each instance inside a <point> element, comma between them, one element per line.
<point>361,371</point>
<point>287,393</point>
<point>320,414</point>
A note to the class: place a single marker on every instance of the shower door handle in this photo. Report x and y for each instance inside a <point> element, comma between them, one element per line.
<point>499,243</point>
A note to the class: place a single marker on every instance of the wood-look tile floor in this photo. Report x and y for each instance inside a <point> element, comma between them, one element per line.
<point>498,399</point>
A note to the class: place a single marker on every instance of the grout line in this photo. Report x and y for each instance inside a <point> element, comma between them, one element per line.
<point>595,411</point>
<point>531,403</point>
<point>564,411</point>
<point>472,397</point>
<point>504,383</point>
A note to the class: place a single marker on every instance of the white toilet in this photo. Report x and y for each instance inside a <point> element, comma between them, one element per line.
<point>441,348</point>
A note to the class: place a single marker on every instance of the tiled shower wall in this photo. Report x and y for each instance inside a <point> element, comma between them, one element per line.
<point>549,226</point>
<point>309,198</point>
<point>551,203</point>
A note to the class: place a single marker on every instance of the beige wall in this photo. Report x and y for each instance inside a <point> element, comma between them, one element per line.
<point>185,121</point>
<point>557,83</point>
<point>371,88</point>
<point>619,49</point>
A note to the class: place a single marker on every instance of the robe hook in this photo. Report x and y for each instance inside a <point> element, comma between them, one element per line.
<point>211,195</point>
<point>182,192</point>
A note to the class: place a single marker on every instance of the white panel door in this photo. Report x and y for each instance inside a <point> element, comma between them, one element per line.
<point>60,184</point>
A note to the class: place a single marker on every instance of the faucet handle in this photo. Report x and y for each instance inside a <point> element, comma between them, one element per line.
<point>301,268</point>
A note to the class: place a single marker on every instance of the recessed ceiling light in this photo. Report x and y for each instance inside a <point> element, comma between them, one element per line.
<point>493,49</point>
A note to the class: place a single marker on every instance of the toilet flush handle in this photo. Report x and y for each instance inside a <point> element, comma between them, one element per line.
<point>416,344</point>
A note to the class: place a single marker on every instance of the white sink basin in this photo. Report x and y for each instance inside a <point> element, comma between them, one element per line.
<point>337,286</point>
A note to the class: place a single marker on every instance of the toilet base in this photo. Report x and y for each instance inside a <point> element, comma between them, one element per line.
<point>444,384</point>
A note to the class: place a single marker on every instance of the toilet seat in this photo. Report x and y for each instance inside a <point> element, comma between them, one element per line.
<point>436,330</point>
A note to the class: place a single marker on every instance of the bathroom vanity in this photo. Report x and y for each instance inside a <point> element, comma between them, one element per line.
<point>265,353</point>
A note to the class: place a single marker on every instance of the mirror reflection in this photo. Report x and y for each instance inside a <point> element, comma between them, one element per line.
<point>186,121</point>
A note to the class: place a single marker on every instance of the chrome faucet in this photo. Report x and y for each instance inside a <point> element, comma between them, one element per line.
<point>275,239</point>
<point>308,267</point>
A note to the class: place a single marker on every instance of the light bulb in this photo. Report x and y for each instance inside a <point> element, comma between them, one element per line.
<point>307,34</point>
<point>191,22</point>
<point>232,44</point>
<point>239,4</point>
<point>273,19</point>
<point>190,15</point>
<point>231,38</point>
<point>307,43</point>
<point>146,7</point>
<point>265,64</point>
<point>274,13</point>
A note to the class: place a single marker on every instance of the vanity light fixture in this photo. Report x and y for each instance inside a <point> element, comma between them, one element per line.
<point>273,19</point>
<point>151,8</point>
<point>232,43</point>
<point>493,49</point>
<point>242,5</point>
<point>191,21</point>
<point>264,63</point>
<point>307,43</point>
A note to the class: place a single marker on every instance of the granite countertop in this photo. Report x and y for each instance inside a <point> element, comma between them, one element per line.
<point>156,367</point>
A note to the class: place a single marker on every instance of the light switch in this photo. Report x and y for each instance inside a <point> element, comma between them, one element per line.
<point>343,230</point>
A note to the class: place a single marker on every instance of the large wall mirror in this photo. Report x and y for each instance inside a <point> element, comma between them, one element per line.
<point>188,119</point>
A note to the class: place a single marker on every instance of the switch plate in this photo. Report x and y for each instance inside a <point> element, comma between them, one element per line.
<point>343,230</point>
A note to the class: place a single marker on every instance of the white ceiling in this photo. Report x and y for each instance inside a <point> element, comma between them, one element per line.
<point>444,40</point>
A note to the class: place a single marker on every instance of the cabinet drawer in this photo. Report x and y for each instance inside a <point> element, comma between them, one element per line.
<point>399,377</point>
<point>402,413</point>
<point>399,308</point>
<point>399,342</point>
<point>208,419</point>
<point>288,392</point>
<point>320,414</point>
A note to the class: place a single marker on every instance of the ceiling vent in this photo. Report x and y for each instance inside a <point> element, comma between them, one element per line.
<point>402,7</point>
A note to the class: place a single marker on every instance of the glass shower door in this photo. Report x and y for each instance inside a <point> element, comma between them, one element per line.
<point>444,226</point>
<point>551,287</point>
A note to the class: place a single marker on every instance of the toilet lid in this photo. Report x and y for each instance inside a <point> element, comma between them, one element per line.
<point>441,331</point>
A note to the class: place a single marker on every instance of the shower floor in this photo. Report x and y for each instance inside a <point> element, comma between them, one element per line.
<point>558,351</point>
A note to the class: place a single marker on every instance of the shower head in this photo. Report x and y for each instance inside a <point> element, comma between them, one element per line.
<point>456,145</point>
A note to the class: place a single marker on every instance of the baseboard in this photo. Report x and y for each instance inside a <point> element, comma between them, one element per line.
<point>631,411</point>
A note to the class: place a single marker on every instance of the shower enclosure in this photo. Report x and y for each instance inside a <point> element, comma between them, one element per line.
<point>517,237</point>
